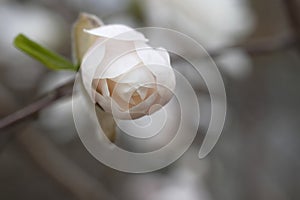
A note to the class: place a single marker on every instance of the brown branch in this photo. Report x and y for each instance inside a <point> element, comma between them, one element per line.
<point>292,12</point>
<point>52,161</point>
<point>35,107</point>
<point>261,47</point>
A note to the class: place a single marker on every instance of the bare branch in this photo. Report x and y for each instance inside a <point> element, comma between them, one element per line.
<point>41,103</point>
<point>51,160</point>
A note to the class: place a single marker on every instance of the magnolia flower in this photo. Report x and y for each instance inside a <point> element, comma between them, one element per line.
<point>124,75</point>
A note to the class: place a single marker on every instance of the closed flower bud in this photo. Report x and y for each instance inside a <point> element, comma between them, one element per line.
<point>124,75</point>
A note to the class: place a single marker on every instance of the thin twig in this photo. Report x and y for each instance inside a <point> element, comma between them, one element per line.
<point>261,47</point>
<point>51,160</point>
<point>35,107</point>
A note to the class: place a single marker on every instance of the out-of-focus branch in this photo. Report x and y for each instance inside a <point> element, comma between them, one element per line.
<point>260,47</point>
<point>52,161</point>
<point>41,103</point>
<point>60,168</point>
<point>292,12</point>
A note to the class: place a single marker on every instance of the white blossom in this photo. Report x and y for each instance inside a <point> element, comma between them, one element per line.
<point>124,75</point>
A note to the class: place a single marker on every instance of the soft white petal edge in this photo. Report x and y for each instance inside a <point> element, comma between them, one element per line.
<point>118,66</point>
<point>118,32</point>
<point>92,58</point>
<point>158,62</point>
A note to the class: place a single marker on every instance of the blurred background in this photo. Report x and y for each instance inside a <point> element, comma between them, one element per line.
<point>255,45</point>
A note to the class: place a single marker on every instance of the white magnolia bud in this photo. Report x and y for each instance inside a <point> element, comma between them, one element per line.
<point>124,75</point>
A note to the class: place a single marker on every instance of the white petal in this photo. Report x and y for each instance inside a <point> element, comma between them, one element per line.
<point>144,106</point>
<point>158,63</point>
<point>125,91</point>
<point>136,111</point>
<point>165,76</point>
<point>151,56</point>
<point>118,66</point>
<point>119,112</point>
<point>102,83</point>
<point>118,32</point>
<point>165,95</point>
<point>104,102</point>
<point>139,75</point>
<point>142,91</point>
<point>164,53</point>
<point>89,65</point>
